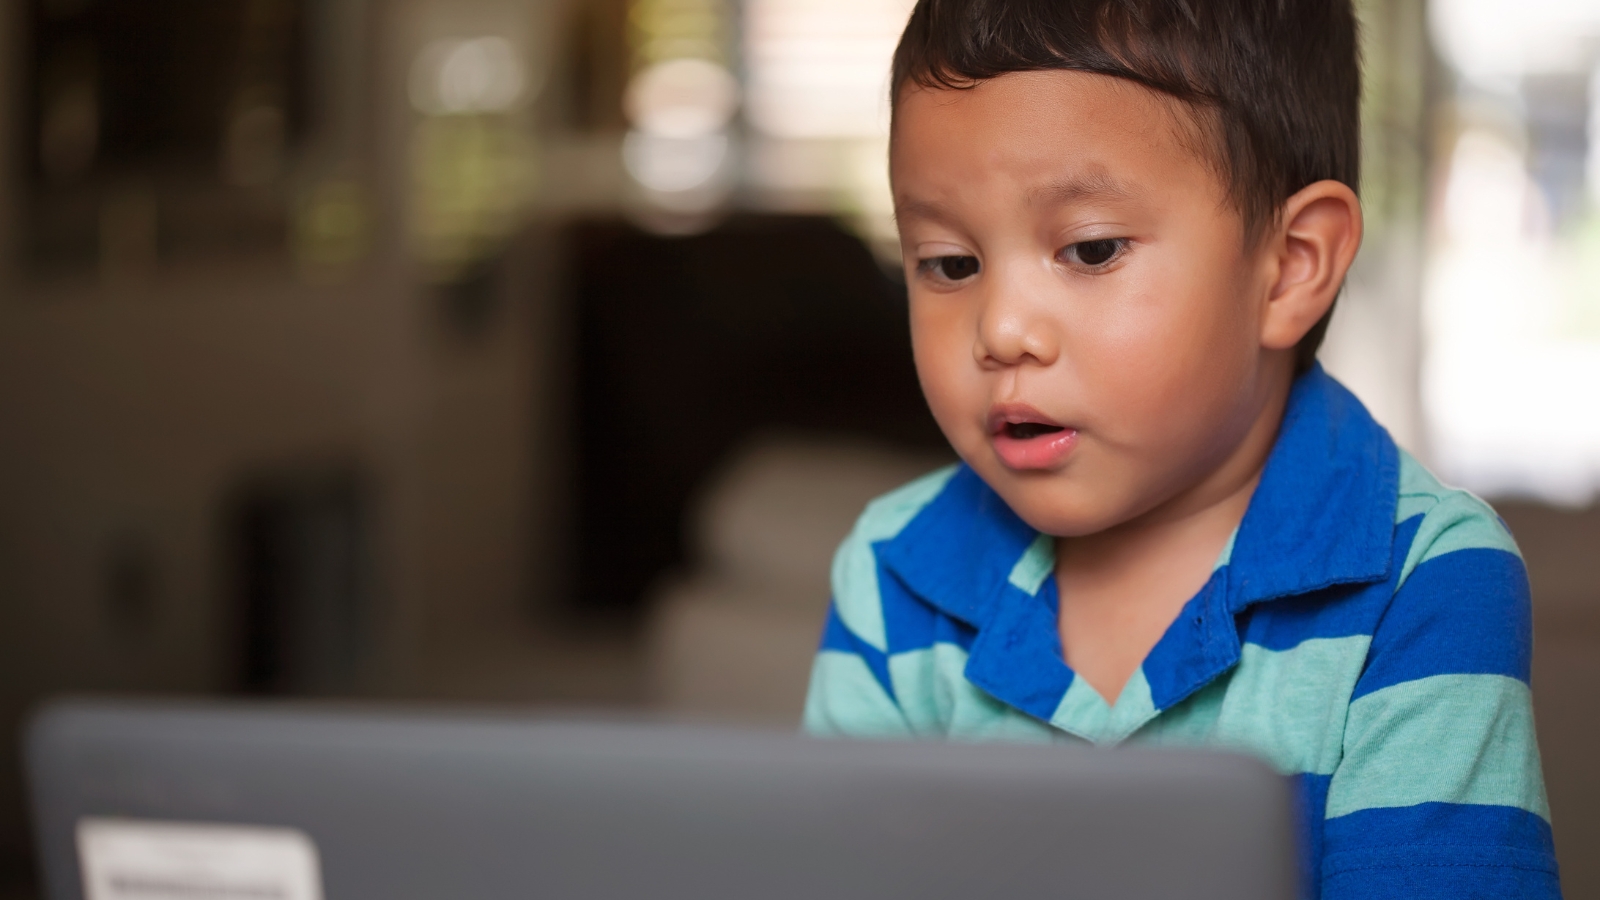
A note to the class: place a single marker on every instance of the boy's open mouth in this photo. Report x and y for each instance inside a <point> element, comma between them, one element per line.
<point>1023,431</point>
<point>1020,422</point>
<point>1025,438</point>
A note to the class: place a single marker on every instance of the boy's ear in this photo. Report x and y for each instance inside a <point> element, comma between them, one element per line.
<point>1313,246</point>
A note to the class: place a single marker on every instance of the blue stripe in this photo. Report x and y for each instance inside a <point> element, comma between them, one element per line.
<point>959,550</point>
<point>910,624</point>
<point>1323,512</point>
<point>1199,645</point>
<point>1467,875</point>
<point>1312,798</point>
<point>1463,613</point>
<point>1339,611</point>
<point>1440,823</point>
<point>1017,656</point>
<point>954,631</point>
<point>1439,850</point>
<point>838,637</point>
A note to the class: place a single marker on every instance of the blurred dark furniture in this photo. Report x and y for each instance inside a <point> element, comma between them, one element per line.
<point>300,570</point>
<point>686,345</point>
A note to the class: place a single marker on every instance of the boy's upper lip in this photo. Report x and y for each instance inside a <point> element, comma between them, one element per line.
<point>1003,414</point>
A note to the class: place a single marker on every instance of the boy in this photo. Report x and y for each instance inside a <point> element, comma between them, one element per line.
<point>1124,225</point>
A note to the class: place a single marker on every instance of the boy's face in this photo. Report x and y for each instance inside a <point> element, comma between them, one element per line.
<point>1085,314</point>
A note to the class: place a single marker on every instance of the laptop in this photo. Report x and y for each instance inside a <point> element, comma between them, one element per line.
<point>181,801</point>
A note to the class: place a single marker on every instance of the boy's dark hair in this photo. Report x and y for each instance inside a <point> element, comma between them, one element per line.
<point>1274,85</point>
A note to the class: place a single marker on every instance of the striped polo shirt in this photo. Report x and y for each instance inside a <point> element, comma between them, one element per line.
<point>1367,630</point>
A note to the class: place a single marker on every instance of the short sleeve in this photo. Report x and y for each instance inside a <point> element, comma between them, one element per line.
<point>1439,791</point>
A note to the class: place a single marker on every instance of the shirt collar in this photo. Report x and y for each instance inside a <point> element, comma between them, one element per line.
<point>959,550</point>
<point>1322,515</point>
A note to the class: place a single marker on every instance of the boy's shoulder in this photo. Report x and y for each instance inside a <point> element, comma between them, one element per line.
<point>1442,520</point>
<point>855,565</point>
<point>886,515</point>
<point>1460,603</point>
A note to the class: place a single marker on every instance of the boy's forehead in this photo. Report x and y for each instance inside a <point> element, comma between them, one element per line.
<point>1090,184</point>
<point>1066,136</point>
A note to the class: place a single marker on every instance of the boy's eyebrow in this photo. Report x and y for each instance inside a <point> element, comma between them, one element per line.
<point>910,208</point>
<point>1088,186</point>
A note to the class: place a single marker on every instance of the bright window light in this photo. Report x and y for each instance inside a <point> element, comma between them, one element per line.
<point>1511,307</point>
<point>820,68</point>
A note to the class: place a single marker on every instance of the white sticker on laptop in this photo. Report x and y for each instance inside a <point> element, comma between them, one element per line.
<point>133,859</point>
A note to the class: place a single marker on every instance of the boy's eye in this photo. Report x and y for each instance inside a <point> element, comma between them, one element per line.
<point>951,268</point>
<point>1095,253</point>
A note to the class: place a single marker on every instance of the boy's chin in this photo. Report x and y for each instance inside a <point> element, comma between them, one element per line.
<point>1056,503</point>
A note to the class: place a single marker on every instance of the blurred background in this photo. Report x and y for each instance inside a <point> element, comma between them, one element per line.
<point>540,351</point>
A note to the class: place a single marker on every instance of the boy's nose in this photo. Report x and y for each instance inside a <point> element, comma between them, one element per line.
<point>1013,330</point>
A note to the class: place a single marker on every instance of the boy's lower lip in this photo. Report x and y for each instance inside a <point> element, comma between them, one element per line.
<point>1040,452</point>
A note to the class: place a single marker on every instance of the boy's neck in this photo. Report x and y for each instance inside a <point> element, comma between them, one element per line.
<point>1122,587</point>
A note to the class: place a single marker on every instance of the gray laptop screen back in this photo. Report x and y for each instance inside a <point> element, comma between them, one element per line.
<point>404,806</point>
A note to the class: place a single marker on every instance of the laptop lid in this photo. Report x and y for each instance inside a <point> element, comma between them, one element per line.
<point>144,801</point>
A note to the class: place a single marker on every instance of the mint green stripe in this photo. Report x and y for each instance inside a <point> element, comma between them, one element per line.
<point>940,702</point>
<point>855,566</point>
<point>885,516</point>
<point>1286,706</point>
<point>1441,739</point>
<point>1084,712</point>
<point>916,676</point>
<point>1419,490</point>
<point>855,591</point>
<point>1133,708</point>
<point>1459,522</point>
<point>1409,506</point>
<point>1036,564</point>
<point>1191,723</point>
<point>1452,519</point>
<point>1226,555</point>
<point>846,700</point>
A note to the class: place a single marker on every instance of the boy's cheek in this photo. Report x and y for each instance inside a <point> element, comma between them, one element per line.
<point>938,351</point>
<point>952,403</point>
<point>1142,401</point>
